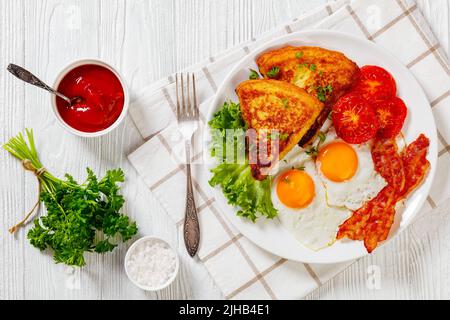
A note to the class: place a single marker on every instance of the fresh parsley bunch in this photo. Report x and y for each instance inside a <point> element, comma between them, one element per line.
<point>81,217</point>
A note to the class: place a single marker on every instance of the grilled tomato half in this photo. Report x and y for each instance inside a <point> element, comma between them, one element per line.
<point>391,116</point>
<point>375,83</point>
<point>354,119</point>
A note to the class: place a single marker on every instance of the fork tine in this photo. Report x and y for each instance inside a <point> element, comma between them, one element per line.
<point>196,112</point>
<point>184,106</point>
<point>188,104</point>
<point>178,96</point>
<point>187,108</point>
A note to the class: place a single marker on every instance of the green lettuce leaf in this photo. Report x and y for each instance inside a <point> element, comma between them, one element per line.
<point>253,197</point>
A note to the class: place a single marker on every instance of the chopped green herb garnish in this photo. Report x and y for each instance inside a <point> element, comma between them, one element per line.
<point>320,72</point>
<point>299,54</point>
<point>321,96</point>
<point>286,180</point>
<point>253,75</point>
<point>302,168</point>
<point>274,135</point>
<point>312,152</point>
<point>273,73</point>
<point>285,102</point>
<point>322,136</point>
<point>322,92</point>
<point>312,67</point>
<point>330,115</point>
<point>303,65</point>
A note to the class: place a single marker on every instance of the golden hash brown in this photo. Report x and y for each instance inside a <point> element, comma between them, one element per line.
<point>311,68</point>
<point>323,73</point>
<point>276,105</point>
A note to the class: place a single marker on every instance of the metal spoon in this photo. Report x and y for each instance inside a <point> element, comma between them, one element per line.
<point>30,78</point>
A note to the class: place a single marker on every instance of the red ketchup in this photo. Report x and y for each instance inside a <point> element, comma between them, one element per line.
<point>102,95</point>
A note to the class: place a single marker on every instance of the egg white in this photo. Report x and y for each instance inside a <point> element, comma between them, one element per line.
<point>359,189</point>
<point>316,225</point>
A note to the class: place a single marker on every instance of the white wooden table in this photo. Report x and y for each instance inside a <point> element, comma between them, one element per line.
<point>147,40</point>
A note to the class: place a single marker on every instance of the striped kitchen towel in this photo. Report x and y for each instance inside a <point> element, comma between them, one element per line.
<point>241,269</point>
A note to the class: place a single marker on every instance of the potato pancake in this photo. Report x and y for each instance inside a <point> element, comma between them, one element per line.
<point>269,105</point>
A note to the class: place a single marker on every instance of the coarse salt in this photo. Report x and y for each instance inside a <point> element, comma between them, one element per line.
<point>151,263</point>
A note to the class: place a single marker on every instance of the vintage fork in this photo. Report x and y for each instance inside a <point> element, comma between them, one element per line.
<point>187,117</point>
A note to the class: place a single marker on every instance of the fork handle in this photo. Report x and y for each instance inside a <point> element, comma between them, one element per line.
<point>191,224</point>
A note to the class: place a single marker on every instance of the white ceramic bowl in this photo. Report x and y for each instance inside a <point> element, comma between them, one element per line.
<point>122,115</point>
<point>156,239</point>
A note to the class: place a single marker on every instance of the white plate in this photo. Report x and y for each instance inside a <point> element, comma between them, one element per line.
<point>269,234</point>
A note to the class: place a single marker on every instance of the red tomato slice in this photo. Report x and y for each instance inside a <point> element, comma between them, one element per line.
<point>391,116</point>
<point>375,83</point>
<point>354,119</point>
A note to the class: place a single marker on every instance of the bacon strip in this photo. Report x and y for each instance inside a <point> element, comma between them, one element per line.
<point>381,218</point>
<point>353,227</point>
<point>389,164</point>
<point>415,163</point>
<point>403,172</point>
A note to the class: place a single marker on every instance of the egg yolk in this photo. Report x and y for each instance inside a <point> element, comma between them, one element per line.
<point>295,189</point>
<point>338,161</point>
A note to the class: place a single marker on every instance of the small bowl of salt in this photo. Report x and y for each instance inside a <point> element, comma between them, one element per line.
<point>151,263</point>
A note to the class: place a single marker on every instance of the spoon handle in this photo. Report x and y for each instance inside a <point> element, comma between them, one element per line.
<point>27,76</point>
<point>30,78</point>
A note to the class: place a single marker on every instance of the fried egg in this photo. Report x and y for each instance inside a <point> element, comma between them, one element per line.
<point>300,198</point>
<point>347,172</point>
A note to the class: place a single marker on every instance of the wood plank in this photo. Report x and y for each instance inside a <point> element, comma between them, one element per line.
<point>14,202</point>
